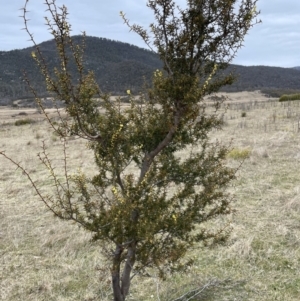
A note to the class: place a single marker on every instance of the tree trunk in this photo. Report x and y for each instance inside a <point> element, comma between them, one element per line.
<point>121,285</point>
<point>130,259</point>
<point>115,274</point>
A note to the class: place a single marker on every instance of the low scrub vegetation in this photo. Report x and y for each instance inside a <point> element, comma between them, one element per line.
<point>24,121</point>
<point>278,92</point>
<point>239,154</point>
<point>289,97</point>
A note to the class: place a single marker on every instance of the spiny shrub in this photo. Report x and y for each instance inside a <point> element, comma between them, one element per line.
<point>244,114</point>
<point>289,97</point>
<point>23,121</point>
<point>239,154</point>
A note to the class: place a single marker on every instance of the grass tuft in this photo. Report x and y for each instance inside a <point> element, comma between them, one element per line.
<point>239,154</point>
<point>24,121</point>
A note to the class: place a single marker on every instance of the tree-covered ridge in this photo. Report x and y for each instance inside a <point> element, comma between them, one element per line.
<point>120,66</point>
<point>117,66</point>
<point>264,77</point>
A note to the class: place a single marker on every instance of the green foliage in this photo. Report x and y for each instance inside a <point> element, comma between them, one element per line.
<point>24,121</point>
<point>146,201</point>
<point>279,92</point>
<point>239,154</point>
<point>290,97</point>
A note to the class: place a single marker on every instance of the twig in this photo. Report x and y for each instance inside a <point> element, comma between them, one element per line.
<point>195,292</point>
<point>30,179</point>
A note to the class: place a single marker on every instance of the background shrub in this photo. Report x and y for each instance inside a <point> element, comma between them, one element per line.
<point>23,121</point>
<point>289,97</point>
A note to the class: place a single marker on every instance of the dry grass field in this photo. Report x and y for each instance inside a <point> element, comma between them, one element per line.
<point>43,258</point>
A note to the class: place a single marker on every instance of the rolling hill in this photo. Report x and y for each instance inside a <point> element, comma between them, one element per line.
<point>120,66</point>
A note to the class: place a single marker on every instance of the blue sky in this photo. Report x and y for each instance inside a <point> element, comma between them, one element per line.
<point>274,42</point>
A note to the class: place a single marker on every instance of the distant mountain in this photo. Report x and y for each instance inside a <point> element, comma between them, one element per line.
<point>297,68</point>
<point>121,66</point>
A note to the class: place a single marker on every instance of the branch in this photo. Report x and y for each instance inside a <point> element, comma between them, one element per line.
<point>149,157</point>
<point>64,88</point>
<point>195,292</point>
<point>30,180</point>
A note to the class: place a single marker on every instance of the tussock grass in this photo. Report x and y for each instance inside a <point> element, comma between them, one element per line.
<point>239,154</point>
<point>43,258</point>
<point>24,121</point>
